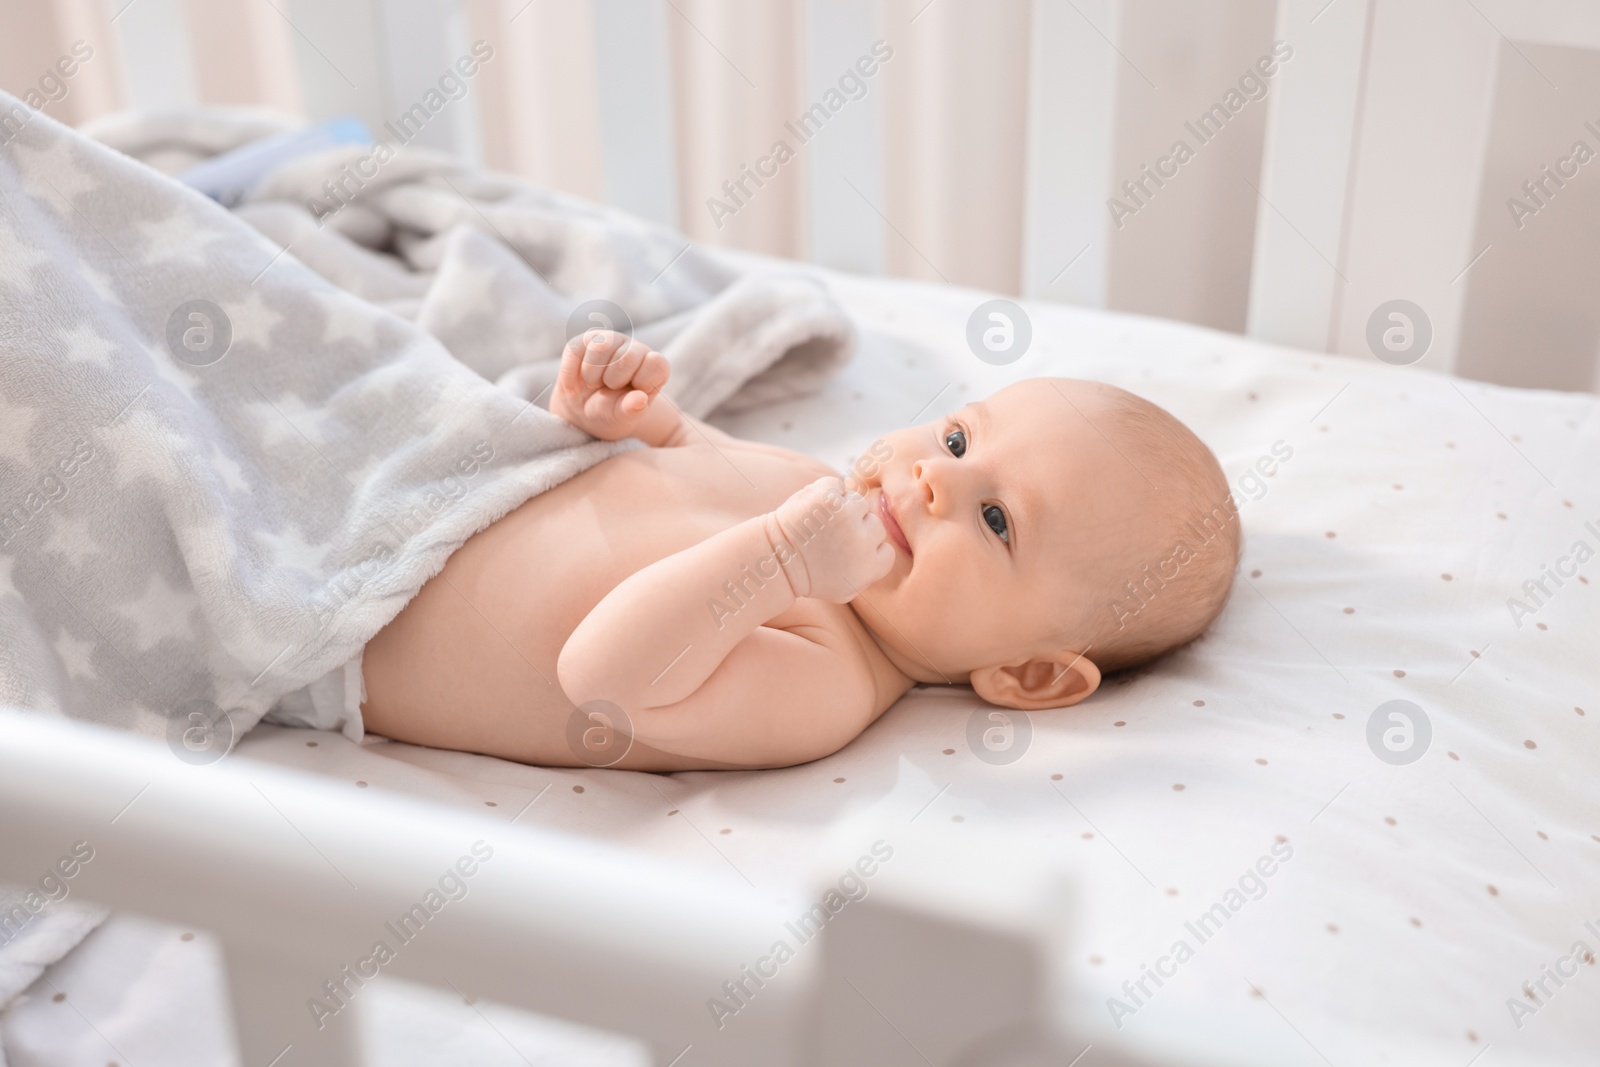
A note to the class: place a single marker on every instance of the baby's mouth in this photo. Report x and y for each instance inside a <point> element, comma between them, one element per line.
<point>890,523</point>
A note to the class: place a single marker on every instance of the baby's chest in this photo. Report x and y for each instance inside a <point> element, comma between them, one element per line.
<point>572,545</point>
<point>652,503</point>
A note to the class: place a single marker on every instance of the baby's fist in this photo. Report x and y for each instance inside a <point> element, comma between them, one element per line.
<point>830,544</point>
<point>607,382</point>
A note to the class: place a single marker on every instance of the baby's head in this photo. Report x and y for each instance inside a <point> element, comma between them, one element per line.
<point>1055,531</point>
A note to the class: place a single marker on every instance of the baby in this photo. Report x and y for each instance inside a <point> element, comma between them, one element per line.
<point>709,602</point>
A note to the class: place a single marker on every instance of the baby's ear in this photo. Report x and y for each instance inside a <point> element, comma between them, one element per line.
<point>1038,683</point>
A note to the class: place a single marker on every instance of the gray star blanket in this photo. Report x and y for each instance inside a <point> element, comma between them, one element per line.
<point>234,445</point>
<point>230,453</point>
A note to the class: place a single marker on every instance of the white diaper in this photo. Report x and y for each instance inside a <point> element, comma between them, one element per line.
<point>332,702</point>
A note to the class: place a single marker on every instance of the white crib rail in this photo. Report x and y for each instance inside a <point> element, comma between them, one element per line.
<point>297,876</point>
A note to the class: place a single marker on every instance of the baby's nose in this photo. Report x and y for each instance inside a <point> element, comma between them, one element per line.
<point>923,474</point>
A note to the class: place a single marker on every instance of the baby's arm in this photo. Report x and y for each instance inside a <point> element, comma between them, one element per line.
<point>665,425</point>
<point>610,386</point>
<point>688,662</point>
<point>656,637</point>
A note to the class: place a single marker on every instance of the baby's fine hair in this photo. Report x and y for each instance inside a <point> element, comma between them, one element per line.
<point>1193,546</point>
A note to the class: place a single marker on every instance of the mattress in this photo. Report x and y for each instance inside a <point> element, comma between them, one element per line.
<point>1355,880</point>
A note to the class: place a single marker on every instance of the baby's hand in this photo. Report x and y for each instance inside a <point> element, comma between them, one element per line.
<point>836,545</point>
<point>607,382</point>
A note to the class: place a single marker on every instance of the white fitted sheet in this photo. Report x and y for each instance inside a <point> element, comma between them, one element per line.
<point>1381,940</point>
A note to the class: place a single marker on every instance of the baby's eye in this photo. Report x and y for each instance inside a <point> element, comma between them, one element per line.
<point>956,442</point>
<point>997,521</point>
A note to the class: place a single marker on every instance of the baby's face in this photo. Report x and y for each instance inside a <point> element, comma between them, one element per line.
<point>1008,516</point>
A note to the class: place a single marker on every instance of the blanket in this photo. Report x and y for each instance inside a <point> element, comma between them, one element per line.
<point>234,445</point>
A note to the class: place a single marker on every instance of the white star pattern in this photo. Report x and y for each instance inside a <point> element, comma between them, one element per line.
<point>170,370</point>
<point>15,422</point>
<point>85,345</point>
<point>228,470</point>
<point>53,169</point>
<point>140,444</point>
<point>349,319</point>
<point>290,550</point>
<point>287,418</point>
<point>75,656</point>
<point>16,266</point>
<point>100,283</point>
<point>161,613</point>
<point>387,383</point>
<point>255,652</point>
<point>70,537</point>
<point>471,288</point>
<point>176,240</point>
<point>368,469</point>
<point>252,320</point>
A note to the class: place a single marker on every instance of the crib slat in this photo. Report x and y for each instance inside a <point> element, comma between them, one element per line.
<point>539,106</point>
<point>1306,168</point>
<point>421,42</point>
<point>956,98</point>
<point>156,53</point>
<point>100,87</point>
<point>1529,316</point>
<point>243,53</point>
<point>270,1018</point>
<point>1416,185</point>
<point>737,77</point>
<point>1571,23</point>
<point>338,54</point>
<point>996,944</point>
<point>638,156</point>
<point>1071,114</point>
<point>38,36</point>
<point>1181,246</point>
<point>845,231</point>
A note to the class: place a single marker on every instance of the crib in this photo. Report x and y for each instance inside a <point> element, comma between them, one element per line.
<point>1251,286</point>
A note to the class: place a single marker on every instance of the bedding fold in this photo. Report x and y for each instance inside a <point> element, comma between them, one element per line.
<point>233,446</point>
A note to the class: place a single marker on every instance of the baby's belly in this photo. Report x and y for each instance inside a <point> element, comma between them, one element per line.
<point>470,663</point>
